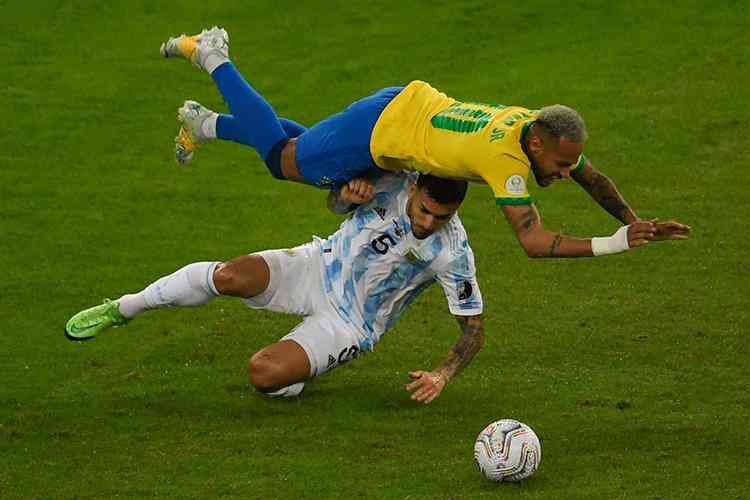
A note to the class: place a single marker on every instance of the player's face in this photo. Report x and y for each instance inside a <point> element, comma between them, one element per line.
<point>426,214</point>
<point>551,162</point>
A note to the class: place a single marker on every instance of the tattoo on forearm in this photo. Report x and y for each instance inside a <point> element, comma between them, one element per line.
<point>603,190</point>
<point>555,243</point>
<point>528,219</point>
<point>461,354</point>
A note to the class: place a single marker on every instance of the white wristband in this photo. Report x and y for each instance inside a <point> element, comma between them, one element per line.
<point>616,243</point>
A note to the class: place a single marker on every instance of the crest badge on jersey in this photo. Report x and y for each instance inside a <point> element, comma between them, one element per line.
<point>515,184</point>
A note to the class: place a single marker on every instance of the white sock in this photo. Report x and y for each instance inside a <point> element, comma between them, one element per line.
<point>193,285</point>
<point>213,61</point>
<point>131,305</point>
<point>208,127</point>
<point>289,391</point>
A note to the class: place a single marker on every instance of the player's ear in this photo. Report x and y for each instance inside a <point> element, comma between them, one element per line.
<point>536,143</point>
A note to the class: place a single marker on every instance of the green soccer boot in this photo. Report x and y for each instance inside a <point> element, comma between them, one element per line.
<point>90,322</point>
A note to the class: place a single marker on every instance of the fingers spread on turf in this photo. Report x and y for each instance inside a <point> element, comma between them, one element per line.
<point>413,385</point>
<point>417,378</point>
<point>432,397</point>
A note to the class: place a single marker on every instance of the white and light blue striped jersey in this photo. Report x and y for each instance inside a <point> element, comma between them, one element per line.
<point>373,267</point>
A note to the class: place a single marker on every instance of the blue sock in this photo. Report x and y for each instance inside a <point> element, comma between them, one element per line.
<point>257,124</point>
<point>229,128</point>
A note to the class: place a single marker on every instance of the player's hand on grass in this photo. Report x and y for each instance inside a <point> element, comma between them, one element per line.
<point>425,386</point>
<point>670,230</point>
<point>640,233</point>
<point>357,191</point>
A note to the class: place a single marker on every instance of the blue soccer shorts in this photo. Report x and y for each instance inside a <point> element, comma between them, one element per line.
<point>337,149</point>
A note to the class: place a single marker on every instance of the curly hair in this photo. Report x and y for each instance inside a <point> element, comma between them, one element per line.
<point>561,121</point>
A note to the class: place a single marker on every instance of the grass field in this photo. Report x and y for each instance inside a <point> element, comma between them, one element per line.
<point>632,369</point>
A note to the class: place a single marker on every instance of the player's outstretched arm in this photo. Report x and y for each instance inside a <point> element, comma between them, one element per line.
<point>538,242</point>
<point>604,192</point>
<point>426,386</point>
<point>354,193</point>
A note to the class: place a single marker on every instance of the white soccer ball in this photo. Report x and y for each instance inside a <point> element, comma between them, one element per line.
<point>507,450</point>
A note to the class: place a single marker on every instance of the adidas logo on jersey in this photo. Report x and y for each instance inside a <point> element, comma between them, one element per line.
<point>381,212</point>
<point>331,361</point>
<point>397,229</point>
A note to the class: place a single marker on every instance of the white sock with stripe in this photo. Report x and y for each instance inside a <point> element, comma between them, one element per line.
<point>190,286</point>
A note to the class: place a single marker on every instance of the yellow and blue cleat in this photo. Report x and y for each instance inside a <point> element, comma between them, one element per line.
<point>191,116</point>
<point>211,44</point>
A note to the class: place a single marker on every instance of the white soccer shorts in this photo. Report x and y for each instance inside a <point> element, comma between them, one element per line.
<point>295,287</point>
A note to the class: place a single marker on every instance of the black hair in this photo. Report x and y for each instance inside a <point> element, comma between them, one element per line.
<point>445,191</point>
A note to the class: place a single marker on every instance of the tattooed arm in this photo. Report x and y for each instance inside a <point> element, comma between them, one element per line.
<point>428,385</point>
<point>539,242</point>
<point>604,192</point>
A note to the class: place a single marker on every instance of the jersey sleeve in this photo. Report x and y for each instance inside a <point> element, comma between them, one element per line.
<point>509,183</point>
<point>458,278</point>
<point>578,166</point>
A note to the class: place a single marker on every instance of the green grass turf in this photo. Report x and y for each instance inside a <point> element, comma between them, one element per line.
<point>632,368</point>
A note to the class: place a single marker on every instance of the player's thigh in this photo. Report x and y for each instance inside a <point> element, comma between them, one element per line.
<point>293,277</point>
<point>327,341</point>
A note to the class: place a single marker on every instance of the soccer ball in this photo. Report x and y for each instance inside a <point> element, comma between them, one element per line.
<point>507,450</point>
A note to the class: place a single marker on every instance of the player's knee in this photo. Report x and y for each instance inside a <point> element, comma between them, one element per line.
<point>274,158</point>
<point>245,276</point>
<point>228,281</point>
<point>266,373</point>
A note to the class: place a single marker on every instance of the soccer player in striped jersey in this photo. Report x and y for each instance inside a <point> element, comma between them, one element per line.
<point>351,287</point>
<point>418,128</point>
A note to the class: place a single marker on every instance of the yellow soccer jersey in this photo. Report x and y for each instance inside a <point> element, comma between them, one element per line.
<point>424,130</point>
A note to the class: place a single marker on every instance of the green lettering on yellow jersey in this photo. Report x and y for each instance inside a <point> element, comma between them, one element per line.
<point>466,117</point>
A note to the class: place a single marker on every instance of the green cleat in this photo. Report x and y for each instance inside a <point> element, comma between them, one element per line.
<point>91,322</point>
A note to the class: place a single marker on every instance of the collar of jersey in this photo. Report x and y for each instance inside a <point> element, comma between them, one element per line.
<point>525,130</point>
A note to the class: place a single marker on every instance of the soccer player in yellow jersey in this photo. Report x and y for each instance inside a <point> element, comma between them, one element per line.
<point>417,128</point>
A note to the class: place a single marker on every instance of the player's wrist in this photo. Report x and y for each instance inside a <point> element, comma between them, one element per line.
<point>438,377</point>
<point>609,245</point>
<point>630,218</point>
